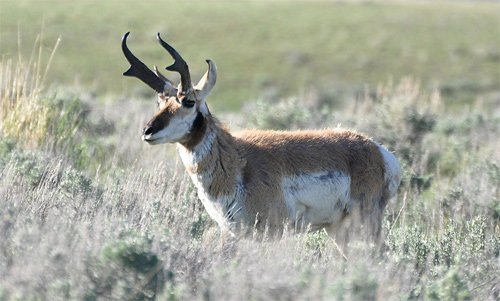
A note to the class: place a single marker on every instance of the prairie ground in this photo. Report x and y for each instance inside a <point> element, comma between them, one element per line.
<point>89,212</point>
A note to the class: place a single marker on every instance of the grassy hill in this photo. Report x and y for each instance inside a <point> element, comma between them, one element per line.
<point>267,48</point>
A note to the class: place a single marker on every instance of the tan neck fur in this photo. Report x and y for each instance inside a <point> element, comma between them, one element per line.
<point>214,159</point>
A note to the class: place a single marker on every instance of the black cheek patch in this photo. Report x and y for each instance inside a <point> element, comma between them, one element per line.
<point>196,133</point>
<point>159,122</point>
<point>198,122</point>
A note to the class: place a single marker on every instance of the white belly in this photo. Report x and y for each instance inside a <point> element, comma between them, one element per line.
<point>225,209</point>
<point>317,198</point>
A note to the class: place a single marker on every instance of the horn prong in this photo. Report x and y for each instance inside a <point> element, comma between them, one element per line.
<point>179,65</point>
<point>139,70</point>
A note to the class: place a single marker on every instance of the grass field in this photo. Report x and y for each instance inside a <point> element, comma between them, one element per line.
<point>89,212</point>
<point>263,48</point>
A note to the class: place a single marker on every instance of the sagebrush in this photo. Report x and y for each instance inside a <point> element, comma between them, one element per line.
<point>129,226</point>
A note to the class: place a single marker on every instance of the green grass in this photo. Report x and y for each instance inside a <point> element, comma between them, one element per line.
<point>89,212</point>
<point>260,47</point>
<point>135,229</point>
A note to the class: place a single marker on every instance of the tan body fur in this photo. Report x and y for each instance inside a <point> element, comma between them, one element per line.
<point>335,179</point>
<point>261,159</point>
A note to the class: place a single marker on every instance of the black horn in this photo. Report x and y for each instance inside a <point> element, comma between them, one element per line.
<point>179,65</point>
<point>140,70</point>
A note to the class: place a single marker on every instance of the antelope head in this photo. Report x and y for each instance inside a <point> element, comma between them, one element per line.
<point>179,108</point>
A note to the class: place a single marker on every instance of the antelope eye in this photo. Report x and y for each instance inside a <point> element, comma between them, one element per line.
<point>187,103</point>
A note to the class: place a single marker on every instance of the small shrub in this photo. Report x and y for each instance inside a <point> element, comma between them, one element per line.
<point>30,165</point>
<point>475,237</point>
<point>284,114</point>
<point>316,242</point>
<point>34,166</point>
<point>449,288</point>
<point>6,147</point>
<point>493,169</point>
<point>87,153</point>
<point>421,182</point>
<point>130,251</point>
<point>60,288</point>
<point>338,291</point>
<point>363,285</point>
<point>74,182</point>
<point>410,244</point>
<point>420,122</point>
<point>199,225</point>
<point>444,247</point>
<point>127,267</point>
<point>417,246</point>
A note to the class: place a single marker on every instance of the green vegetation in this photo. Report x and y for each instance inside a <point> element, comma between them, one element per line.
<point>89,212</point>
<point>137,231</point>
<point>264,47</point>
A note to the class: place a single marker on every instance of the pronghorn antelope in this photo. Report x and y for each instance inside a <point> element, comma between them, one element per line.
<point>266,179</point>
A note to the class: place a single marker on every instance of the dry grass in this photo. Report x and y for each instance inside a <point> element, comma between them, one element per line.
<point>88,212</point>
<point>22,115</point>
<point>136,231</point>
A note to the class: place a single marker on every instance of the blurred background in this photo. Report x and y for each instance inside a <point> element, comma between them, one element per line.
<point>274,48</point>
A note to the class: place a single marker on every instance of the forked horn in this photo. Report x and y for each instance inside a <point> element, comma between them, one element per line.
<point>161,76</point>
<point>170,89</point>
<point>179,66</point>
<point>140,70</point>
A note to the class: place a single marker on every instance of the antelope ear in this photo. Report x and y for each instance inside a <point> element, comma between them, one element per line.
<point>207,82</point>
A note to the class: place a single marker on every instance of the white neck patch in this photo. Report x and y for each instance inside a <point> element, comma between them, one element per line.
<point>191,158</point>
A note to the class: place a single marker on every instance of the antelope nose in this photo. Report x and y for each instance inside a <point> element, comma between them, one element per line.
<point>148,130</point>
